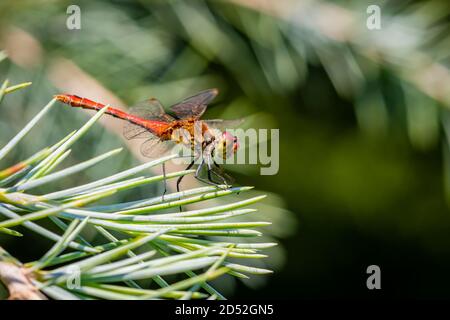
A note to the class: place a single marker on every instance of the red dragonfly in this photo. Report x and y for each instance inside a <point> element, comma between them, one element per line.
<point>163,131</point>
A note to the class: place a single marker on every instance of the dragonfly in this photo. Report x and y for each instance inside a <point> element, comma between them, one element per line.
<point>162,131</point>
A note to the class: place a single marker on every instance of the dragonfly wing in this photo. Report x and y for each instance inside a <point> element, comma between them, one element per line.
<point>151,109</point>
<point>195,106</point>
<point>133,131</point>
<point>223,125</point>
<point>153,148</point>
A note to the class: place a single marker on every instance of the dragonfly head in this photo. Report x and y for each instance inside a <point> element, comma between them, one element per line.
<point>227,145</point>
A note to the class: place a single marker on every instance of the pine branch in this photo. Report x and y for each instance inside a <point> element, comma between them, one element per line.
<point>165,243</point>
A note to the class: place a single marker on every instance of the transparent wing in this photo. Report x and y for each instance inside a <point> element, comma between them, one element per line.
<point>153,148</point>
<point>195,106</point>
<point>222,125</point>
<point>150,109</point>
<point>132,131</point>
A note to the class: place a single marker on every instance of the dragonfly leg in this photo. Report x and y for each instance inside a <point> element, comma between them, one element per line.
<point>210,171</point>
<point>222,174</point>
<point>207,181</point>
<point>197,174</point>
<point>181,178</point>
<point>209,176</point>
<point>222,178</point>
<point>199,168</point>
<point>165,181</point>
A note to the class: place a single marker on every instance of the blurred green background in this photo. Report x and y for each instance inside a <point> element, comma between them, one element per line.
<point>363,116</point>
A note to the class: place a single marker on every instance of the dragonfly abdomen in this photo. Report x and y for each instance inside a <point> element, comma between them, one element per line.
<point>154,126</point>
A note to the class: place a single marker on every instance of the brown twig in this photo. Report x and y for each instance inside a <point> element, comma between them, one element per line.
<point>17,280</point>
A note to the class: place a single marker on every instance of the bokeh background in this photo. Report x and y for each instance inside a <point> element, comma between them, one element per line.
<point>363,116</point>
